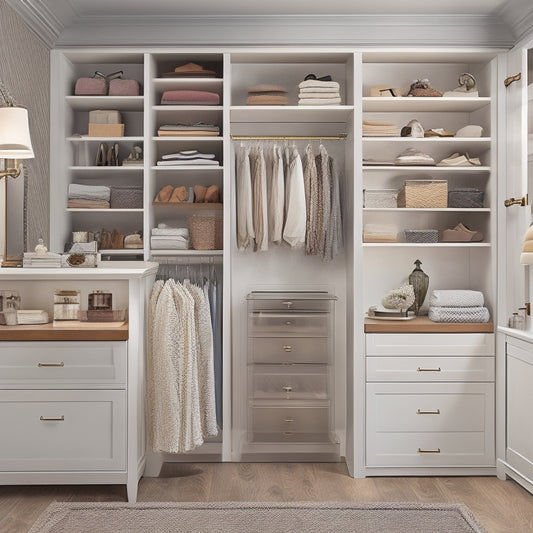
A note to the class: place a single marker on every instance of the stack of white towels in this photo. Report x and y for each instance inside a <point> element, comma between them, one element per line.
<point>316,92</point>
<point>165,237</point>
<point>457,306</point>
<point>88,196</point>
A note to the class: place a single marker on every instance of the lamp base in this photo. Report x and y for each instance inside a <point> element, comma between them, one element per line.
<point>12,261</point>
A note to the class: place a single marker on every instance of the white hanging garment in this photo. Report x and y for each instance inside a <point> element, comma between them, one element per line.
<point>245,223</point>
<point>260,210</point>
<point>294,230</point>
<point>276,197</point>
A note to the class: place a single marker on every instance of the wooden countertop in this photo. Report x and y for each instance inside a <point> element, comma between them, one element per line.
<point>422,324</point>
<point>48,332</point>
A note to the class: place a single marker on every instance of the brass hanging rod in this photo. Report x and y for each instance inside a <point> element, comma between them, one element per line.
<point>341,136</point>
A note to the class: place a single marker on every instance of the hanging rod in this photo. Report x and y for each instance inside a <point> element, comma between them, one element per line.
<point>341,136</point>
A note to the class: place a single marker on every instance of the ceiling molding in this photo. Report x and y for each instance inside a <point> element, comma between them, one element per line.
<point>39,19</point>
<point>519,17</point>
<point>375,30</point>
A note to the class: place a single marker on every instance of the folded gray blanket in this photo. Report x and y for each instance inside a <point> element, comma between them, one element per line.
<point>89,192</point>
<point>458,314</point>
<point>456,298</point>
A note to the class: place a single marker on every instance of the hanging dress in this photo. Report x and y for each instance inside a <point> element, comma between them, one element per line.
<point>276,197</point>
<point>294,230</point>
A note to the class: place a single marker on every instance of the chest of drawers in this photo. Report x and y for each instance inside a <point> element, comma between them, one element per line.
<point>290,360</point>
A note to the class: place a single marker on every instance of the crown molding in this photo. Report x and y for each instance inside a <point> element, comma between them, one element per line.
<point>519,17</point>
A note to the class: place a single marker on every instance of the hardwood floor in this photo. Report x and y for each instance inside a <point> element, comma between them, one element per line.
<point>501,506</point>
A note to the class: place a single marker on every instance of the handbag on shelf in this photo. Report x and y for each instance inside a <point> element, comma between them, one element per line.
<point>95,86</point>
<point>106,84</point>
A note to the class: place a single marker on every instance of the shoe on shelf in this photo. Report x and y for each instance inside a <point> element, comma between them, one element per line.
<point>459,160</point>
<point>461,233</point>
<point>164,194</point>
<point>470,131</point>
<point>438,132</point>
<point>412,156</point>
<point>467,87</point>
<point>413,129</point>
<point>101,155</point>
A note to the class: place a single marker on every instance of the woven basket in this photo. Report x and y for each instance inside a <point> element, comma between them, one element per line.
<point>206,232</point>
<point>384,198</point>
<point>126,197</point>
<point>424,194</point>
<point>421,235</point>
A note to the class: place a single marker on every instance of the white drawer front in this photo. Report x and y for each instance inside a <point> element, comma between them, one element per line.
<point>288,350</point>
<point>423,368</point>
<point>297,382</point>
<point>62,364</point>
<point>456,344</point>
<point>289,304</point>
<point>63,430</point>
<point>288,324</point>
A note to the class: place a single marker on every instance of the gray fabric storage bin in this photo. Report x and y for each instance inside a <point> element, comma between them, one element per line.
<point>466,197</point>
<point>421,235</point>
<point>126,197</point>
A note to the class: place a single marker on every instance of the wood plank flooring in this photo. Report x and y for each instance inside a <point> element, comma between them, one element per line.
<point>501,506</point>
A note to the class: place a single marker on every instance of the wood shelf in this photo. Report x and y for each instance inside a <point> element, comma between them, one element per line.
<point>422,324</point>
<point>122,103</point>
<point>190,205</point>
<point>90,331</point>
<point>408,103</point>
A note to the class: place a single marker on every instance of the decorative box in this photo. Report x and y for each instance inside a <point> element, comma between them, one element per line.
<point>424,194</point>
<point>126,197</point>
<point>421,235</point>
<point>105,116</point>
<point>384,198</point>
<point>466,197</point>
<point>66,304</point>
<point>106,130</point>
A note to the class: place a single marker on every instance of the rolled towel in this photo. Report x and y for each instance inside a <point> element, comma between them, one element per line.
<point>458,314</point>
<point>456,298</point>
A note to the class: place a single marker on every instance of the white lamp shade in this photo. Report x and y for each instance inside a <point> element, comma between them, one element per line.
<point>15,141</point>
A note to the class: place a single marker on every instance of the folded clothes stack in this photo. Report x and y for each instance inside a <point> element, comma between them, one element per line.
<point>377,128</point>
<point>188,157</point>
<point>185,97</point>
<point>266,94</point>
<point>165,237</point>
<point>412,156</point>
<point>317,92</point>
<point>196,129</point>
<point>459,306</point>
<point>190,70</point>
<point>88,196</point>
<point>32,316</point>
<point>380,233</point>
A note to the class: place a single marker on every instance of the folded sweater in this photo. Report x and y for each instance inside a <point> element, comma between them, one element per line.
<point>182,97</point>
<point>456,298</point>
<point>321,84</point>
<point>319,101</point>
<point>89,192</point>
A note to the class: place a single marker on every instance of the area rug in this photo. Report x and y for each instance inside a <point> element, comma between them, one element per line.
<point>264,517</point>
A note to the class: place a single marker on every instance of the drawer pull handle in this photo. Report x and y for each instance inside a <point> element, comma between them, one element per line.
<point>287,348</point>
<point>51,364</point>
<point>428,369</point>
<point>288,434</point>
<point>419,412</point>
<point>52,418</point>
<point>428,451</point>
<point>287,304</point>
<point>288,323</point>
<point>288,419</point>
<point>287,363</point>
<point>287,389</point>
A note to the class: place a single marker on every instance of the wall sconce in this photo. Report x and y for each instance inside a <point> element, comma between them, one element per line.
<point>15,144</point>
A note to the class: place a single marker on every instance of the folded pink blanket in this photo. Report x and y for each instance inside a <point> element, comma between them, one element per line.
<point>190,98</point>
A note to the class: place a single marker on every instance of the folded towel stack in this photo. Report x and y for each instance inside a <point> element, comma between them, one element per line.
<point>182,97</point>
<point>265,94</point>
<point>167,238</point>
<point>380,233</point>
<point>457,306</point>
<point>377,128</point>
<point>188,157</point>
<point>316,92</point>
<point>88,196</point>
<point>188,130</point>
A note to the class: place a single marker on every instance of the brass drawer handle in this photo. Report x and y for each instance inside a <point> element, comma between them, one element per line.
<point>287,389</point>
<point>287,304</point>
<point>287,348</point>
<point>286,363</point>
<point>428,451</point>
<point>52,418</point>
<point>288,434</point>
<point>419,412</point>
<point>428,369</point>
<point>288,322</point>
<point>51,364</point>
<point>288,419</point>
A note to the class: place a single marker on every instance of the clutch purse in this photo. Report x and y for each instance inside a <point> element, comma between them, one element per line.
<point>95,86</point>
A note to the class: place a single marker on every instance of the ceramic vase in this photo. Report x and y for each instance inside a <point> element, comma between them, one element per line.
<point>420,282</point>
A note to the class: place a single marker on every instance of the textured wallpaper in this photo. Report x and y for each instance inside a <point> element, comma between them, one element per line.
<point>25,70</point>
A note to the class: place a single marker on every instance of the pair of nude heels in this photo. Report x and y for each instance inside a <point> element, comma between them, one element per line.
<point>461,233</point>
<point>107,156</point>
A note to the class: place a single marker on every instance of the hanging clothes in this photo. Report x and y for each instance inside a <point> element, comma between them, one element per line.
<point>324,180</point>
<point>334,239</point>
<point>311,200</point>
<point>276,197</point>
<point>260,205</point>
<point>295,210</point>
<point>245,223</point>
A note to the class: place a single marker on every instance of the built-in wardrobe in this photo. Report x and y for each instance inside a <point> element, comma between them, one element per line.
<point>305,375</point>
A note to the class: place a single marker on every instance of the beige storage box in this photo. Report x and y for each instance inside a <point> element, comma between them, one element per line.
<point>105,116</point>
<point>428,194</point>
<point>106,130</point>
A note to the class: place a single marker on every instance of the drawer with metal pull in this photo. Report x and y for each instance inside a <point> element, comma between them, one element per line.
<point>62,430</point>
<point>288,302</point>
<point>62,364</point>
<point>292,424</point>
<point>288,350</point>
<point>291,324</point>
<point>297,382</point>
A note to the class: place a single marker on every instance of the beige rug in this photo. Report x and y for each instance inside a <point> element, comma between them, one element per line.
<point>223,517</point>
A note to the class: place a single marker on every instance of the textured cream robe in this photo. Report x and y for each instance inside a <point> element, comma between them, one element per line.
<point>276,197</point>
<point>294,230</point>
<point>245,222</point>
